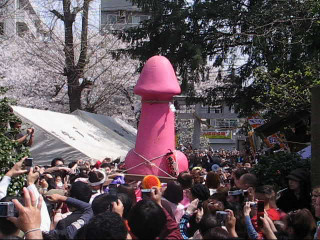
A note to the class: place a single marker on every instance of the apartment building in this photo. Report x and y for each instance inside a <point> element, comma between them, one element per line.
<point>18,17</point>
<point>119,15</point>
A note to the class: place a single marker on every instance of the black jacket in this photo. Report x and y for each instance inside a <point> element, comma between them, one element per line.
<point>289,202</point>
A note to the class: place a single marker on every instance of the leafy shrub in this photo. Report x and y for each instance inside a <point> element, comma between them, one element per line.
<point>8,155</point>
<point>273,169</point>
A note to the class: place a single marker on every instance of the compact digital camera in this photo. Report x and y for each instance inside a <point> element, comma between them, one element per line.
<point>6,209</point>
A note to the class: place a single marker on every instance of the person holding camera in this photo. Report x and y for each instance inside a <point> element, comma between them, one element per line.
<point>15,171</point>
<point>15,134</point>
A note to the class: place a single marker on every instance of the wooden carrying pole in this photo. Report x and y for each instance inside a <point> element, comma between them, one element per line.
<point>137,177</point>
<point>315,136</point>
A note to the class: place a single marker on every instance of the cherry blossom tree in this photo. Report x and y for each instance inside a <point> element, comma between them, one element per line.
<point>33,71</point>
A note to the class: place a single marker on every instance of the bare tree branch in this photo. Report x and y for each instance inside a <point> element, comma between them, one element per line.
<point>58,15</point>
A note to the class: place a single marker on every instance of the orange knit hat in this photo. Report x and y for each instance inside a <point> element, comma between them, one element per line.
<point>150,181</point>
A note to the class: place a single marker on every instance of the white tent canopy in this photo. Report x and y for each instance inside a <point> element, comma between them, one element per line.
<point>80,135</point>
<point>305,153</point>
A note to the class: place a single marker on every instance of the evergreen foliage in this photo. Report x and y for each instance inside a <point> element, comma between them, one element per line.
<point>276,41</point>
<point>8,155</point>
<point>273,169</point>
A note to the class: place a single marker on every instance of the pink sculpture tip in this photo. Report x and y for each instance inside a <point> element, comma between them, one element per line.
<point>158,80</point>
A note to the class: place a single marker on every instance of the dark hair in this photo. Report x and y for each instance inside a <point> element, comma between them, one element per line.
<point>127,204</point>
<point>8,228</point>
<point>200,191</point>
<point>185,179</point>
<point>129,190</point>
<point>81,191</point>
<point>147,219</point>
<point>217,233</point>
<point>239,172</point>
<point>173,192</point>
<point>302,223</point>
<point>249,179</point>
<point>55,160</point>
<point>71,165</point>
<point>208,221</point>
<point>265,189</point>
<point>106,225</point>
<point>213,180</point>
<point>104,165</point>
<point>95,176</point>
<point>103,203</point>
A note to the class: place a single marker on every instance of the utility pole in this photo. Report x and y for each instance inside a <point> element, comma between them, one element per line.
<point>315,136</point>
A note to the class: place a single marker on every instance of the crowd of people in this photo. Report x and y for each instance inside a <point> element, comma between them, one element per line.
<point>216,199</point>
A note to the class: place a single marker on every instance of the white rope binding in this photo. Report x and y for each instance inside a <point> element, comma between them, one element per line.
<point>150,162</point>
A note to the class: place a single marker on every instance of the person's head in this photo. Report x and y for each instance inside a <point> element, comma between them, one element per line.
<point>185,179</point>
<point>298,179</point>
<point>107,167</point>
<point>200,191</point>
<point>128,190</point>
<point>248,180</point>
<point>314,195</point>
<point>81,191</point>
<point>300,224</point>
<point>196,175</point>
<point>57,162</point>
<point>96,179</point>
<point>207,222</point>
<point>237,174</point>
<point>213,180</point>
<point>127,204</point>
<point>147,220</point>
<point>106,225</point>
<point>217,233</point>
<point>103,203</point>
<point>265,193</point>
<point>107,160</point>
<point>15,124</point>
<point>7,228</point>
<point>212,205</point>
<point>247,165</point>
<point>173,192</point>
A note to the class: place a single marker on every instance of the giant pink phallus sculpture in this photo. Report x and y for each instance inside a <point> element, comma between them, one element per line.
<point>156,132</point>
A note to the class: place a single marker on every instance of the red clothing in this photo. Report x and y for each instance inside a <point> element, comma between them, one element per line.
<point>171,230</point>
<point>273,214</point>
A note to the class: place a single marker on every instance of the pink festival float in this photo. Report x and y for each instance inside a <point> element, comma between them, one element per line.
<point>155,150</point>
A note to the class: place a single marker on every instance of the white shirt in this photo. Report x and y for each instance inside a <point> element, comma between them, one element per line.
<point>4,184</point>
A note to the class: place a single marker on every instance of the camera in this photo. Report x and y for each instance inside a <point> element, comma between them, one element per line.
<point>253,204</point>
<point>146,193</point>
<point>221,216</point>
<point>6,209</point>
<point>235,193</point>
<point>28,163</point>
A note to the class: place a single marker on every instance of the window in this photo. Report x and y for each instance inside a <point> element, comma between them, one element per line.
<point>112,19</point>
<point>216,110</point>
<point>138,19</point>
<point>144,17</point>
<point>21,28</point>
<point>20,4</point>
<point>1,28</point>
<point>135,19</point>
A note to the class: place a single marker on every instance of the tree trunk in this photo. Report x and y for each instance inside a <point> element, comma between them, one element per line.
<point>315,136</point>
<point>74,93</point>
